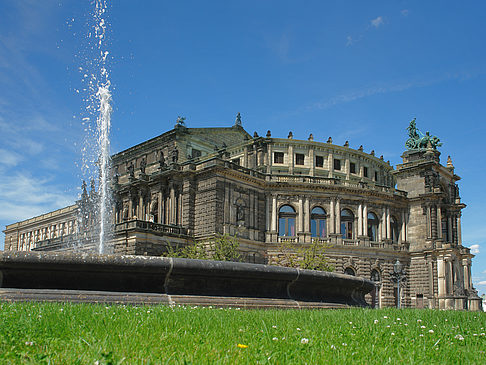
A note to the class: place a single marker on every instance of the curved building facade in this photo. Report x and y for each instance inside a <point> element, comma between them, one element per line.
<point>191,184</point>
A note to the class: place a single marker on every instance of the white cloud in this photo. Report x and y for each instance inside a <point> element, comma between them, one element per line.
<point>405,12</point>
<point>474,249</point>
<point>481,282</point>
<point>377,22</point>
<point>9,158</point>
<point>353,95</point>
<point>22,196</point>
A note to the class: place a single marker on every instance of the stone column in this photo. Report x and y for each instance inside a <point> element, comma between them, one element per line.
<point>179,208</point>
<point>365,220</point>
<point>449,220</point>
<point>428,219</point>
<point>450,274</point>
<point>403,232</point>
<point>338,216</point>
<point>388,224</point>
<point>306,215</point>
<point>270,159</point>
<point>256,224</point>
<point>465,273</point>
<point>291,159</point>
<point>245,156</point>
<point>439,222</point>
<point>330,162</point>
<point>454,229</point>
<point>268,206</point>
<point>383,225</point>
<point>159,207</point>
<point>274,213</point>
<point>433,222</point>
<point>430,265</point>
<point>360,219</point>
<point>255,152</point>
<point>300,216</point>
<point>346,168</point>
<point>441,276</point>
<point>459,230</point>
<point>332,220</point>
<point>227,204</point>
<point>172,205</point>
<point>251,219</point>
<point>312,162</point>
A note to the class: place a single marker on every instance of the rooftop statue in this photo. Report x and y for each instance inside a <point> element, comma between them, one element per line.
<point>419,141</point>
<point>180,122</point>
<point>238,120</point>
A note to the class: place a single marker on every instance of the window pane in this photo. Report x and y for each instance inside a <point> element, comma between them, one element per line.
<point>299,159</point>
<point>322,228</point>
<point>281,227</point>
<point>318,210</point>
<point>313,228</point>
<point>286,209</point>
<point>278,157</point>
<point>291,223</point>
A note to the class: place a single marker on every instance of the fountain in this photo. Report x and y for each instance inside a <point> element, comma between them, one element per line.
<point>87,277</point>
<point>98,107</point>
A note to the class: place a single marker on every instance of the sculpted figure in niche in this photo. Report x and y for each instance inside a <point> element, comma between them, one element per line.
<point>131,169</point>
<point>175,155</point>
<point>143,164</point>
<point>161,158</point>
<point>116,175</point>
<point>240,212</point>
<point>125,212</point>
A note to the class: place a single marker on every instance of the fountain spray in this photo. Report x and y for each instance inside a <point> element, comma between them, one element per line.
<point>103,122</point>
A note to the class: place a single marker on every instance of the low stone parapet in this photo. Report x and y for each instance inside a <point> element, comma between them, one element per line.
<point>174,277</point>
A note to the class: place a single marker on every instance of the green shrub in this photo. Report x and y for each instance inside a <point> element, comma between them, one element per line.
<point>310,257</point>
<point>222,248</point>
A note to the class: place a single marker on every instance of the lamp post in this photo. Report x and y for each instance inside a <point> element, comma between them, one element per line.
<point>398,275</point>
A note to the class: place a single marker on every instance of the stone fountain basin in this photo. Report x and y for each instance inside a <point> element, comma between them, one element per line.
<point>88,277</point>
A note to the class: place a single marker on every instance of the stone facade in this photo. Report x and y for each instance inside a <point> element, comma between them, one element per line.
<point>191,184</point>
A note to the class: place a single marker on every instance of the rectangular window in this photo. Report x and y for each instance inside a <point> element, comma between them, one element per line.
<point>299,159</point>
<point>337,164</point>
<point>352,168</point>
<point>376,175</point>
<point>365,171</point>
<point>319,161</point>
<point>236,161</point>
<point>278,157</point>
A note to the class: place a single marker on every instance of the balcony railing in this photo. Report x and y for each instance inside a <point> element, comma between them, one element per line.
<point>150,226</point>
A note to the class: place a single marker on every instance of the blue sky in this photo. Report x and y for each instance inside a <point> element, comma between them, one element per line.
<point>353,70</point>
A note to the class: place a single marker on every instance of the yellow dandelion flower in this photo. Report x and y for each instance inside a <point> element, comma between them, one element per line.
<point>241,346</point>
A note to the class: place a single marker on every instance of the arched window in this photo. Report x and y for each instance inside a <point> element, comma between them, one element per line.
<point>373,223</point>
<point>375,275</point>
<point>286,221</point>
<point>318,222</point>
<point>349,271</point>
<point>394,229</point>
<point>347,219</point>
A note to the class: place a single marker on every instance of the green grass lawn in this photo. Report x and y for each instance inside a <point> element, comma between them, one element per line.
<point>99,334</point>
